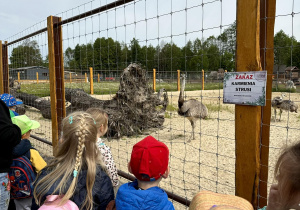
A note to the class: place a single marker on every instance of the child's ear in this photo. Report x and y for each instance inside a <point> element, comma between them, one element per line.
<point>23,136</point>
<point>166,174</point>
<point>102,129</point>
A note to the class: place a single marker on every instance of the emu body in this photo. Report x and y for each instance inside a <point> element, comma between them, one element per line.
<point>192,109</point>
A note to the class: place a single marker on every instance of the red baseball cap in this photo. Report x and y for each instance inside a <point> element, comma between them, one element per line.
<point>149,157</point>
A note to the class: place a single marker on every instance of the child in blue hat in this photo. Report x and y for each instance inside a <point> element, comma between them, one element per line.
<point>11,102</point>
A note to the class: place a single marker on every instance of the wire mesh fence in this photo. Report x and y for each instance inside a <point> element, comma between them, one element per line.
<point>167,36</point>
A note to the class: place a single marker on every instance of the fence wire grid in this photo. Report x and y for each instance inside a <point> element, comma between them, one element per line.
<point>165,35</point>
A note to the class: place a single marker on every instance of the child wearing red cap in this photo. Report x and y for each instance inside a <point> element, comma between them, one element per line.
<point>149,164</point>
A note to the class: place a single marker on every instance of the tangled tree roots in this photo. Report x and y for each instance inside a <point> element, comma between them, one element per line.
<point>132,110</point>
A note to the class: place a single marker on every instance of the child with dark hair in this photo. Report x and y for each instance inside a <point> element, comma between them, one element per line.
<point>10,136</point>
<point>149,164</point>
<point>286,193</point>
<point>24,148</point>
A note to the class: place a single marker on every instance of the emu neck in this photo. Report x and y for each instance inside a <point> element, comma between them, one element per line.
<point>182,88</point>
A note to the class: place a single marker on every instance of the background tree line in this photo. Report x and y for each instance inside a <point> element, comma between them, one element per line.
<point>107,54</point>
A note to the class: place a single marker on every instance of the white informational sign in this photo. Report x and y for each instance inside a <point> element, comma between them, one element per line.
<point>245,88</point>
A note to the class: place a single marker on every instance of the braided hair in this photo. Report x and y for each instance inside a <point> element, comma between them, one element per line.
<point>77,150</point>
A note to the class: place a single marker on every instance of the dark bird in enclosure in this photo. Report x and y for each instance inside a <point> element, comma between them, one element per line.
<point>287,105</point>
<point>192,109</point>
<point>277,101</point>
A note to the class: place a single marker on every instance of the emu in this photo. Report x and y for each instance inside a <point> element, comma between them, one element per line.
<point>288,105</point>
<point>191,109</point>
<point>290,85</point>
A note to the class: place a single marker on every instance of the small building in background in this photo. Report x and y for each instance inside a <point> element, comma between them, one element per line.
<point>29,73</point>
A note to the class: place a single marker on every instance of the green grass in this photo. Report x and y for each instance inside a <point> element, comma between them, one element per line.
<point>189,86</point>
<point>217,108</point>
<point>103,88</point>
<point>43,89</point>
<point>167,115</point>
<point>171,108</point>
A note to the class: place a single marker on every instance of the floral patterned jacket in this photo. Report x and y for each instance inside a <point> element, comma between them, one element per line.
<point>108,162</point>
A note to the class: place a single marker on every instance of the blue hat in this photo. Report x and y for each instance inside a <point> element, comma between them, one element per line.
<point>9,100</point>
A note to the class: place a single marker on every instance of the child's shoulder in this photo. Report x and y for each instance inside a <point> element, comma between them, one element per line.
<point>101,144</point>
<point>22,148</point>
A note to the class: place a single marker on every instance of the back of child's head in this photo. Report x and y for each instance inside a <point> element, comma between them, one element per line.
<point>149,159</point>
<point>99,115</point>
<point>77,150</point>
<point>24,123</point>
<point>287,173</point>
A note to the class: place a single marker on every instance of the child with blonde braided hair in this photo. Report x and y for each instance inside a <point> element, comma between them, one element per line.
<point>77,171</point>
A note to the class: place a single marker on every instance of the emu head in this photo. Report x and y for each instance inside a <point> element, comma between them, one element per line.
<point>283,95</point>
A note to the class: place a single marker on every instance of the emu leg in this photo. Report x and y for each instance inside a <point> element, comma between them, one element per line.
<point>275,114</point>
<point>280,114</point>
<point>193,131</point>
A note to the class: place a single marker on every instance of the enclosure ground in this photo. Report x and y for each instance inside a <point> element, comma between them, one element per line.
<point>207,163</point>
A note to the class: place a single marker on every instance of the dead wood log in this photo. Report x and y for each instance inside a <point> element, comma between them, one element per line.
<point>34,101</point>
<point>132,110</point>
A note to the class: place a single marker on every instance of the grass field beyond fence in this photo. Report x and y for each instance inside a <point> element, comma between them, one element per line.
<point>104,88</point>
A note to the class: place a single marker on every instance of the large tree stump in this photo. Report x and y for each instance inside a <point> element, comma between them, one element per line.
<point>132,110</point>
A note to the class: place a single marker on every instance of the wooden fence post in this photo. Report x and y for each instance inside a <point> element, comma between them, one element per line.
<point>91,81</point>
<point>267,21</point>
<point>19,78</point>
<point>70,75</point>
<point>247,118</point>
<point>37,78</point>
<point>56,75</point>
<point>85,77</point>
<point>98,78</point>
<point>5,68</point>
<point>1,69</point>
<point>178,80</point>
<point>203,79</point>
<point>154,80</point>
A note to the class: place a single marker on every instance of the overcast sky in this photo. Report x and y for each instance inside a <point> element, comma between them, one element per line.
<point>24,17</point>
